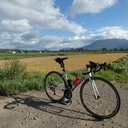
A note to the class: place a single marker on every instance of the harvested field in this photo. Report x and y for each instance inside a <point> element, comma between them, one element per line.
<point>46,64</point>
<point>73,63</point>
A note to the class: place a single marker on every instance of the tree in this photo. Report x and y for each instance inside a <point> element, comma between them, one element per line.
<point>104,50</point>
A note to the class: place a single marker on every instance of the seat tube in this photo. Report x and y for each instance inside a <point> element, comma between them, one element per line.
<point>66,78</point>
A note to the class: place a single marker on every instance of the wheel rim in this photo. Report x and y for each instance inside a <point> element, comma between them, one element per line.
<point>55,86</point>
<point>107,105</point>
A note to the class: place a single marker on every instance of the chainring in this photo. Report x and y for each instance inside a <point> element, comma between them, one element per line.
<point>68,93</point>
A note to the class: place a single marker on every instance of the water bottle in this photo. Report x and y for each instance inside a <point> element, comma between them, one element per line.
<point>76,81</point>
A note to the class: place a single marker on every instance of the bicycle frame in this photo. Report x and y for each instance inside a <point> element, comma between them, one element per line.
<point>89,75</point>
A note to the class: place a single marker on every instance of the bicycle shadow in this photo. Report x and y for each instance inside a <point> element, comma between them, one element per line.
<point>47,106</point>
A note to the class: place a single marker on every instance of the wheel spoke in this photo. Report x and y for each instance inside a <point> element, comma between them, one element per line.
<point>54,86</point>
<point>107,104</point>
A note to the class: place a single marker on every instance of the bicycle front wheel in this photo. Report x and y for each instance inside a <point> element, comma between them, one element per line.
<point>54,86</point>
<point>108,103</point>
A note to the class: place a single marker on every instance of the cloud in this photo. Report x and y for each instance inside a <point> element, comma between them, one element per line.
<point>14,26</point>
<point>110,33</point>
<point>35,40</point>
<point>89,6</point>
<point>114,28</point>
<point>31,35</point>
<point>37,14</point>
<point>21,22</point>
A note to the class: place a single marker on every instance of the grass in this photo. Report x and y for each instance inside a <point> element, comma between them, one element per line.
<point>15,77</point>
<point>6,56</point>
<point>116,71</point>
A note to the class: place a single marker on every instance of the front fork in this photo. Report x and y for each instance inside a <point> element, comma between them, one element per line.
<point>94,86</point>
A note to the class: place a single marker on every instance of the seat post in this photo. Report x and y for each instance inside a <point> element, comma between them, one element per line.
<point>63,67</point>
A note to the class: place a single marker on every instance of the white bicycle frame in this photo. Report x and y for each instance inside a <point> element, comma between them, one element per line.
<point>89,75</point>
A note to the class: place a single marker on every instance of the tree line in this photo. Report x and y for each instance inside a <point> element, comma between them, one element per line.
<point>66,50</point>
<point>94,50</point>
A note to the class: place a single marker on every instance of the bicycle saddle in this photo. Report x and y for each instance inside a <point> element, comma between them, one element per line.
<point>60,61</point>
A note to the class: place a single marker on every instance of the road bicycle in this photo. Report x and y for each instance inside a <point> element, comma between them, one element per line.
<point>98,96</point>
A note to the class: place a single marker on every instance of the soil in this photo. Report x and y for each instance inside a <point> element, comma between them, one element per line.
<point>34,109</point>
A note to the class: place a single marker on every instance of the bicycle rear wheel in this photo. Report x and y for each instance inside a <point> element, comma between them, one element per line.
<point>54,86</point>
<point>108,103</point>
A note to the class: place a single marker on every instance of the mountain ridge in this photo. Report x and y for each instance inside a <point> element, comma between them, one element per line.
<point>108,43</point>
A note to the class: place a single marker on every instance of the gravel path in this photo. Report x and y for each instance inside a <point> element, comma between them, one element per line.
<point>34,109</point>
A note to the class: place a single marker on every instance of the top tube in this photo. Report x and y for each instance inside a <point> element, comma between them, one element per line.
<point>81,70</point>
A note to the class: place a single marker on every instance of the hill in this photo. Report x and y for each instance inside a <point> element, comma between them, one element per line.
<point>108,43</point>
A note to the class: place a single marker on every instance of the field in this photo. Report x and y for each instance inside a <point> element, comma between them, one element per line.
<point>74,62</point>
<point>6,56</point>
<point>45,62</point>
<point>27,74</point>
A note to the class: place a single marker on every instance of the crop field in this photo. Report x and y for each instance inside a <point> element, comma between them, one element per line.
<point>27,74</point>
<point>73,62</point>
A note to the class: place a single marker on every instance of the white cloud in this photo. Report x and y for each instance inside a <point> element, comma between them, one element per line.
<point>22,20</point>
<point>39,13</point>
<point>89,6</point>
<point>34,40</point>
<point>114,28</point>
<point>111,32</point>
<point>15,26</point>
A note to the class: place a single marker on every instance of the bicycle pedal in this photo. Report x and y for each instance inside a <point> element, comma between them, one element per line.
<point>66,101</point>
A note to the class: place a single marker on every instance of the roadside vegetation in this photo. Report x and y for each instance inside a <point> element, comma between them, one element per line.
<point>117,71</point>
<point>15,78</point>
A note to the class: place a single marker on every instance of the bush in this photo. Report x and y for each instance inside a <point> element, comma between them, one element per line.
<point>15,78</point>
<point>11,87</point>
<point>116,71</point>
<point>12,69</point>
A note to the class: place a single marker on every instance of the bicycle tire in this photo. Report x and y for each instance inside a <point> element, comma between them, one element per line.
<point>107,105</point>
<point>52,81</point>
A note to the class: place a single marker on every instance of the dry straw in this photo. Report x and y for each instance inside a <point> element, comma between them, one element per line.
<point>73,62</point>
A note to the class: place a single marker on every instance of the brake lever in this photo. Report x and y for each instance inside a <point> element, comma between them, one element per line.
<point>102,66</point>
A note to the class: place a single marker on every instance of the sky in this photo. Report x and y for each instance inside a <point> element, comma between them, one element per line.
<point>60,24</point>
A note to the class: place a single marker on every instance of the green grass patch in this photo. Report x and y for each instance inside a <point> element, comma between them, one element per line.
<point>14,78</point>
<point>116,71</point>
<point>7,56</point>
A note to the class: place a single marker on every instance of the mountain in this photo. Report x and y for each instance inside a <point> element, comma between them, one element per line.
<point>108,43</point>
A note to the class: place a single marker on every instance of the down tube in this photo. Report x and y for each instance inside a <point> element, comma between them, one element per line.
<point>67,72</point>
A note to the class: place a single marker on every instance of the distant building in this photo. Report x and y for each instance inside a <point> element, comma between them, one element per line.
<point>11,52</point>
<point>21,52</point>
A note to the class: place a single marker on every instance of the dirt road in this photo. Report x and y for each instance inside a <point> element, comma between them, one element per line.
<point>33,109</point>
